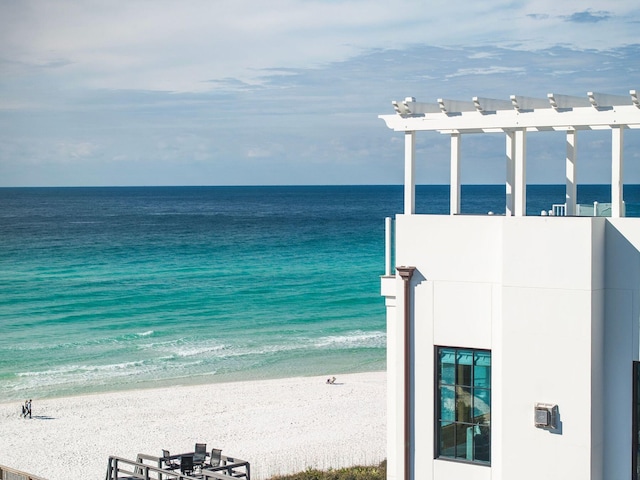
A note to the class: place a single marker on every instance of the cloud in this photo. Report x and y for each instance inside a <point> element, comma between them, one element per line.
<point>164,45</point>
<point>200,45</point>
<point>258,152</point>
<point>75,150</point>
<point>538,16</point>
<point>202,92</point>
<point>588,16</point>
<point>489,70</point>
<point>481,55</point>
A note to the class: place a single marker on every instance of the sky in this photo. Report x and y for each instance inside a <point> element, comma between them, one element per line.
<point>288,92</point>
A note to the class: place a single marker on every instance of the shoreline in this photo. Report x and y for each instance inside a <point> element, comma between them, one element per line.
<point>279,425</point>
<point>178,382</point>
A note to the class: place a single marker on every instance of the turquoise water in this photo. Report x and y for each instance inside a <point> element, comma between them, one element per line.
<point>116,288</point>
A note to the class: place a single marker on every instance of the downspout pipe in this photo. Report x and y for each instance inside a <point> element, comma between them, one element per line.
<point>406,273</point>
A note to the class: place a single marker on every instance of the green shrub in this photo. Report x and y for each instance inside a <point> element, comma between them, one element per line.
<point>378,472</point>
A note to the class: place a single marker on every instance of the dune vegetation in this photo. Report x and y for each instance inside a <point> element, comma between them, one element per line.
<point>377,472</point>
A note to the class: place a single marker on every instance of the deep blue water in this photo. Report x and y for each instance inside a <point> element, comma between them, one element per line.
<point>115,288</point>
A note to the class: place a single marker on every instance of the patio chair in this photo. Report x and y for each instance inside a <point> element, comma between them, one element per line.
<point>168,462</point>
<point>200,454</point>
<point>215,458</point>
<point>186,464</point>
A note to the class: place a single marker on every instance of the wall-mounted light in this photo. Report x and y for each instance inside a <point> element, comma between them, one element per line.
<point>546,416</point>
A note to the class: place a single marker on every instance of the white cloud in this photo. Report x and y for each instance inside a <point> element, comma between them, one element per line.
<point>182,46</point>
<point>167,45</point>
<point>489,70</point>
<point>258,152</point>
<point>75,150</point>
<point>480,55</point>
<point>287,91</point>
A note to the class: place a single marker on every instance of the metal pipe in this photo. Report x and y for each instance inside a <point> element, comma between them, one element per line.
<point>387,246</point>
<point>406,273</point>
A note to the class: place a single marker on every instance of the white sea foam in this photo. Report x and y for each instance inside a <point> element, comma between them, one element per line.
<point>186,358</point>
<point>196,350</point>
<point>355,339</point>
<point>81,369</point>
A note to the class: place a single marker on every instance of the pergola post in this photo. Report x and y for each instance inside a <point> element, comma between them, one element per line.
<point>571,196</point>
<point>510,183</point>
<point>409,173</point>
<point>617,143</point>
<point>520,172</point>
<point>454,194</point>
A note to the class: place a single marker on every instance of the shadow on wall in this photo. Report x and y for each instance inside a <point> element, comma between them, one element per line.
<point>620,332</point>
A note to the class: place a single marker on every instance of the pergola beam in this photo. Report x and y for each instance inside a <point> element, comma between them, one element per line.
<point>516,117</point>
<point>593,111</point>
<point>587,118</point>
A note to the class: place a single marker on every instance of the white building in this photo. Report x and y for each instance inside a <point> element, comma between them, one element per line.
<point>513,340</point>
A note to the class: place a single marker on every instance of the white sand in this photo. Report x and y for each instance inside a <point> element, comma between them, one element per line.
<point>279,426</point>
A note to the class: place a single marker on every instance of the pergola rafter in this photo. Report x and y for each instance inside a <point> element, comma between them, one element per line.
<point>515,118</point>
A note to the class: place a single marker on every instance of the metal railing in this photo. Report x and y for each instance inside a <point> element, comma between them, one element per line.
<point>7,473</point>
<point>120,468</point>
<point>596,209</point>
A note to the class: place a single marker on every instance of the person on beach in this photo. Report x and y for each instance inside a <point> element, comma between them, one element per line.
<point>28,408</point>
<point>24,409</point>
<point>331,380</point>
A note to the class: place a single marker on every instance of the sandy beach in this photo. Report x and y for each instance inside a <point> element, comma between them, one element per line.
<point>279,426</point>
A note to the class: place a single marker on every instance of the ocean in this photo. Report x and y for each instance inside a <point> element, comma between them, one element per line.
<point>106,289</point>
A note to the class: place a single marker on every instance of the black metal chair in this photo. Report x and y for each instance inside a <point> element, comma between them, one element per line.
<point>168,461</point>
<point>215,458</point>
<point>200,454</point>
<point>186,464</point>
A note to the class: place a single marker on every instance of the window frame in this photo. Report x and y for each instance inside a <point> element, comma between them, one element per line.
<point>460,390</point>
<point>635,422</point>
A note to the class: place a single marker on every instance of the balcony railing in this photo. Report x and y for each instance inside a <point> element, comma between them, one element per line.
<point>595,209</point>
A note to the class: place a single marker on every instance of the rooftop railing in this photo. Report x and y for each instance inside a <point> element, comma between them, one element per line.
<point>595,209</point>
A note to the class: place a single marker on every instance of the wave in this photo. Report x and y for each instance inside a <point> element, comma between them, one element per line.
<point>355,339</point>
<point>176,360</point>
<point>194,350</point>
<point>75,369</point>
<point>148,357</point>
<point>84,343</point>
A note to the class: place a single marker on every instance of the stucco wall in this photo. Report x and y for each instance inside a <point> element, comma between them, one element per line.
<point>556,301</point>
<point>547,310</point>
<point>622,313</point>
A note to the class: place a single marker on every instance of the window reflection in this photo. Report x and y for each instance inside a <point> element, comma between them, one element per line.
<point>464,404</point>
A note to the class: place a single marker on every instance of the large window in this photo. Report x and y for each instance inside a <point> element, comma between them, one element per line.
<point>463,404</point>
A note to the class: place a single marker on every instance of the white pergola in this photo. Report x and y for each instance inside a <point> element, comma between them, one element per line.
<point>515,118</point>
